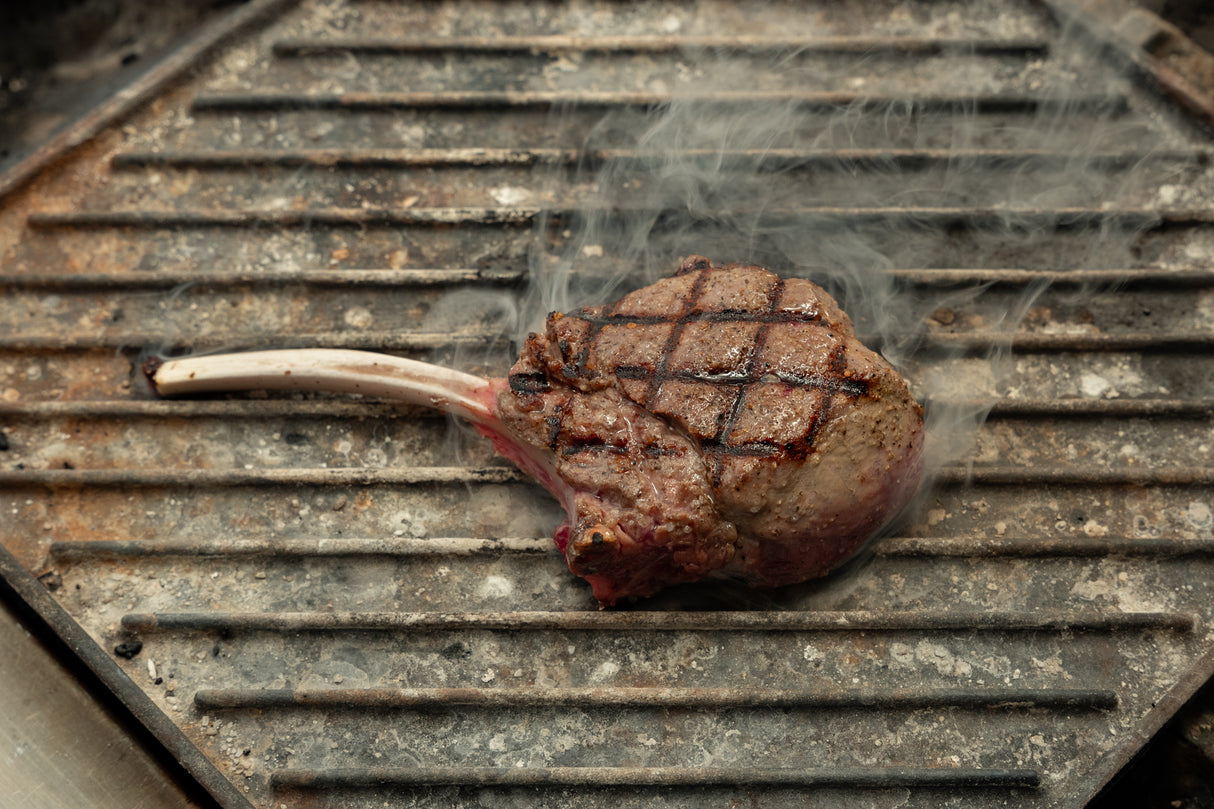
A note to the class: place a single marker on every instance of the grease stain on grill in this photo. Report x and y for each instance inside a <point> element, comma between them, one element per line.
<point>128,649</point>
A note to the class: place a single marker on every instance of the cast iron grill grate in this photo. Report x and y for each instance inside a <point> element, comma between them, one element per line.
<point>339,607</point>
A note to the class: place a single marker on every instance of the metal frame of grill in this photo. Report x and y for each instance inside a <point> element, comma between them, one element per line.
<point>195,639</point>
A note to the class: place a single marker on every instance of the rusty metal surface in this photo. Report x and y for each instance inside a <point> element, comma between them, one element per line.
<point>346,603</point>
<point>1178,67</point>
<point>138,92</point>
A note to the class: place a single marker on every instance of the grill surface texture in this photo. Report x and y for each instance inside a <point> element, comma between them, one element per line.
<point>321,601</point>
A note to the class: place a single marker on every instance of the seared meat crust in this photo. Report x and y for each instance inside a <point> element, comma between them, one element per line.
<point>723,420</point>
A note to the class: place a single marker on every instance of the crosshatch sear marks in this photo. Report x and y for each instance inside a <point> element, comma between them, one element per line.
<point>725,355</point>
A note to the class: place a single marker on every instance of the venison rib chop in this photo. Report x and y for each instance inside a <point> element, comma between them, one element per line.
<point>720,422</point>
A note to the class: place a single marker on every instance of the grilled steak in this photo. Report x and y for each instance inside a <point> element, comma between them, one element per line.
<point>723,420</point>
<point>720,422</point>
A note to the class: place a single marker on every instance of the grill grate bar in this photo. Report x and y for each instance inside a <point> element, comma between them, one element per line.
<point>1136,277</point>
<point>413,476</point>
<point>330,217</point>
<point>1025,548</point>
<point>401,547</point>
<point>1082,408</point>
<point>308,476</point>
<point>1195,340</point>
<point>662,44</point>
<point>755,621</point>
<point>884,159</point>
<point>1163,278</point>
<point>1031,342</point>
<point>167,279</point>
<point>853,777</point>
<point>365,340</point>
<point>287,548</point>
<point>474,99</point>
<point>1075,476</point>
<point>625,697</point>
<point>977,218</point>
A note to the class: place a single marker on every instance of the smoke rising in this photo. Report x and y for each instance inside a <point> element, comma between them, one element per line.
<point>849,194</point>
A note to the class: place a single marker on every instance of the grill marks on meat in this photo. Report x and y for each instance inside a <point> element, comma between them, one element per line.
<point>642,511</point>
<point>721,420</point>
